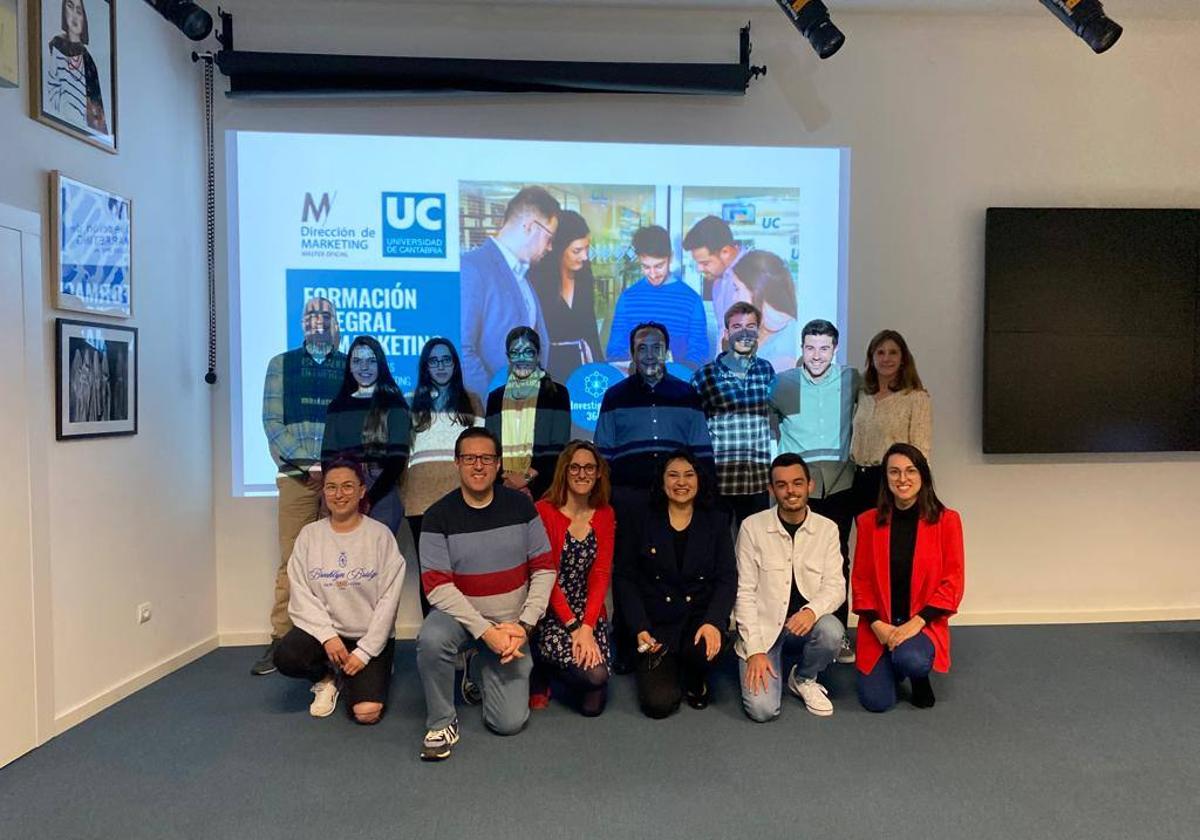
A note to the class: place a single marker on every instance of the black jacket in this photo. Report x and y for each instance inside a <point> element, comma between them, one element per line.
<point>653,594</point>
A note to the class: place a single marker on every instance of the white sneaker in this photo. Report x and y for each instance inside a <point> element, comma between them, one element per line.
<point>845,654</point>
<point>815,696</point>
<point>438,742</point>
<point>325,699</point>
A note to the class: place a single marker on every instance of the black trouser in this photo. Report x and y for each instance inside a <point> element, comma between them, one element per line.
<point>866,487</point>
<point>662,678</point>
<point>414,525</point>
<point>628,503</point>
<point>590,684</point>
<point>840,507</point>
<point>742,505</point>
<point>300,655</point>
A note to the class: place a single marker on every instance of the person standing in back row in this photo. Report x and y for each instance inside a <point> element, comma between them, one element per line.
<point>894,408</point>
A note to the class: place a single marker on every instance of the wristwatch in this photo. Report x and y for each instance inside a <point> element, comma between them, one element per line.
<point>573,625</point>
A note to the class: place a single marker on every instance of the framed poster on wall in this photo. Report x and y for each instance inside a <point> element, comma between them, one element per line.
<point>95,379</point>
<point>73,68</point>
<point>91,240</point>
<point>10,74</point>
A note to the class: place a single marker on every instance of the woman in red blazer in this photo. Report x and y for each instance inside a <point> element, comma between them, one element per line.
<point>907,582</point>
<point>571,641</point>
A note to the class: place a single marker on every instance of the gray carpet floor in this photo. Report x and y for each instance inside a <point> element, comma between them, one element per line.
<point>1039,732</point>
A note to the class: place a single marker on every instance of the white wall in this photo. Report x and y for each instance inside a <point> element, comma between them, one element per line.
<point>130,519</point>
<point>946,115</point>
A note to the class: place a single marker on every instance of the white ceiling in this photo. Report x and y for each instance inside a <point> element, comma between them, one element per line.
<point>1142,8</point>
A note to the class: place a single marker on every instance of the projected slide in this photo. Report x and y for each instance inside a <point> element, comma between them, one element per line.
<point>403,236</point>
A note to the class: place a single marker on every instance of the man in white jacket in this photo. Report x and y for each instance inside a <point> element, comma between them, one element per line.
<point>789,583</point>
<point>345,574</point>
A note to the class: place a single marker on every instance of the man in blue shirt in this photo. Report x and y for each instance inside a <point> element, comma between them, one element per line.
<point>663,298</point>
<point>816,403</point>
<point>642,420</point>
<point>495,294</point>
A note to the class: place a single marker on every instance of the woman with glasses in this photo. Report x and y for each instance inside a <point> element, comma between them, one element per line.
<point>368,422</point>
<point>441,408</point>
<point>907,582</point>
<point>564,284</point>
<point>571,641</point>
<point>675,583</point>
<point>530,414</point>
<point>344,576</point>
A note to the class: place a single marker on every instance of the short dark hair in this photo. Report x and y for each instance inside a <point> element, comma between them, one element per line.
<point>819,326</point>
<point>526,333</point>
<point>789,459</point>
<point>649,325</point>
<point>652,241</point>
<point>343,463</point>
<point>475,432</point>
<point>742,308</point>
<point>536,199</point>
<point>711,233</point>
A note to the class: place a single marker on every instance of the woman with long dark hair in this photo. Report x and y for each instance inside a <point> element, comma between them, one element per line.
<point>441,408</point>
<point>894,408</point>
<point>571,641</point>
<point>368,422</point>
<point>565,287</point>
<point>763,279</point>
<point>675,584</point>
<point>907,582</point>
<point>531,416</point>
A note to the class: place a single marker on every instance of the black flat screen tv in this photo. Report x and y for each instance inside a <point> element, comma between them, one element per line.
<point>1091,331</point>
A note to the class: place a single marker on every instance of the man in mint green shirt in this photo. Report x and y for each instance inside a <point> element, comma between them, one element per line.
<point>816,403</point>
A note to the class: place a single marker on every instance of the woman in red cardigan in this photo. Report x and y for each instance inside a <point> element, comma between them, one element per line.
<point>907,582</point>
<point>571,641</point>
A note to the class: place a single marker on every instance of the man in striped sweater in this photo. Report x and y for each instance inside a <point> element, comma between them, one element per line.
<point>487,571</point>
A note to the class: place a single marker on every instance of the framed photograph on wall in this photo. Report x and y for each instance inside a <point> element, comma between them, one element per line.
<point>10,73</point>
<point>95,369</point>
<point>91,248</point>
<point>73,68</point>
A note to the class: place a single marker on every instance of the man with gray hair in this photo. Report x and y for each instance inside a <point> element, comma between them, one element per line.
<point>299,386</point>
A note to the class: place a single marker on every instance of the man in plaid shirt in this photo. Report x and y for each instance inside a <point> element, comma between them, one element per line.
<point>735,391</point>
<point>299,386</point>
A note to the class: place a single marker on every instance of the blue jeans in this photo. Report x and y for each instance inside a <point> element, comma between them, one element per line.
<point>911,660</point>
<point>814,651</point>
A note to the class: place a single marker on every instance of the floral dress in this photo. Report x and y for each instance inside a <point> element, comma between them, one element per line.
<point>551,641</point>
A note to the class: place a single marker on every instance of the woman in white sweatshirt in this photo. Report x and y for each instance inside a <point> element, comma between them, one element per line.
<point>345,574</point>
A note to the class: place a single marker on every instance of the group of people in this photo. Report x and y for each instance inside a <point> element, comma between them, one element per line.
<point>536,271</point>
<point>520,531</point>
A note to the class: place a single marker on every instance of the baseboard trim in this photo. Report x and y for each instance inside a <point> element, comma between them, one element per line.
<point>78,714</point>
<point>1017,617</point>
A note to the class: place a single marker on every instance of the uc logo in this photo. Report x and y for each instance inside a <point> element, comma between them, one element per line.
<point>414,224</point>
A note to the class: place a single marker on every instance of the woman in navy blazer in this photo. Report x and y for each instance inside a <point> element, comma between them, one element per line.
<point>675,582</point>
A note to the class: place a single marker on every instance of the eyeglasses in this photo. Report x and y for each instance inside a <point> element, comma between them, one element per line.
<point>484,460</point>
<point>545,229</point>
<point>435,363</point>
<point>584,469</point>
<point>523,355</point>
<point>346,488</point>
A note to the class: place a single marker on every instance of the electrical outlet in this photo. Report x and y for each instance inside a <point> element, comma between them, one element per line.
<point>143,613</point>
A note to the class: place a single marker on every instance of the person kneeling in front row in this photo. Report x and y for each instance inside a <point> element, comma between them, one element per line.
<point>488,571</point>
<point>345,575</point>
<point>907,582</point>
<point>789,583</point>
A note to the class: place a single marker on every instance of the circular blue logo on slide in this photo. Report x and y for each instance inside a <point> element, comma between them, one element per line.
<point>587,386</point>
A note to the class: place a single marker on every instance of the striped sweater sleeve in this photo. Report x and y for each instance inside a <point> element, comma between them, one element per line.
<point>541,571</point>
